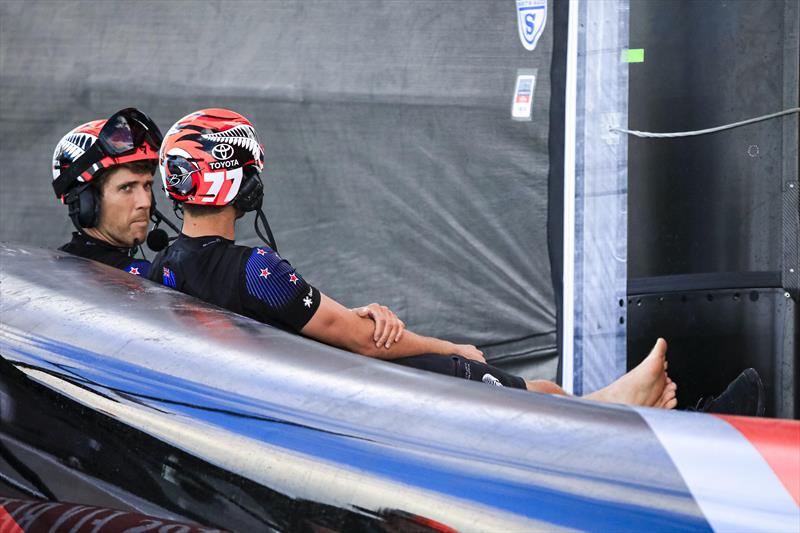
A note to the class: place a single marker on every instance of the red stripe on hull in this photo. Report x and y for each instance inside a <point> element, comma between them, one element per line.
<point>778,442</point>
<point>7,524</point>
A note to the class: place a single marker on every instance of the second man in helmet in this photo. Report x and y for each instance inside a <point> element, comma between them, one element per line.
<point>210,163</point>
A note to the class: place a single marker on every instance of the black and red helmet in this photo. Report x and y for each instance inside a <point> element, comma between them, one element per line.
<point>207,156</point>
<point>127,136</point>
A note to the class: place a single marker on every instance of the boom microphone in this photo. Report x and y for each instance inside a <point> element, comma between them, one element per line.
<point>157,239</point>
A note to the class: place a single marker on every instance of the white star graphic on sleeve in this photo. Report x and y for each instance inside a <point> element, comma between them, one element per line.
<point>260,251</point>
<point>265,273</point>
<point>307,301</point>
<point>293,278</point>
<point>134,271</point>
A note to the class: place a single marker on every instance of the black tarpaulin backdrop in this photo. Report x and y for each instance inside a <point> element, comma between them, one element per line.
<point>394,172</point>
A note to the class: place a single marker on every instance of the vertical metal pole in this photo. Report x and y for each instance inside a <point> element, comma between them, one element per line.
<point>567,379</point>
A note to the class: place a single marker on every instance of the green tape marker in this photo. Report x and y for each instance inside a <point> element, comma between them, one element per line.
<point>633,55</point>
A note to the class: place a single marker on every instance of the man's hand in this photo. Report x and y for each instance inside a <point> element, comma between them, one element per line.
<point>388,327</point>
<point>468,351</point>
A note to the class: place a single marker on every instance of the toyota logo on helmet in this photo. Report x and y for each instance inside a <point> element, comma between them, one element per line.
<point>222,151</point>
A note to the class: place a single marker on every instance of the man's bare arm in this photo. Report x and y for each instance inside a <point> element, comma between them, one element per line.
<point>338,326</point>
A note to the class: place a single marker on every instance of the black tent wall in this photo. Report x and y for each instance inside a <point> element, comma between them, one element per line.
<point>713,220</point>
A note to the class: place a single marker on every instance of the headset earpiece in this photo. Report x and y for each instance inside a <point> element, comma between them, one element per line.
<point>251,193</point>
<point>89,210</point>
<point>84,206</point>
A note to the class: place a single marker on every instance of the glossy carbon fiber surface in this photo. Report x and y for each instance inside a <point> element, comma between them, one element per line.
<point>120,393</point>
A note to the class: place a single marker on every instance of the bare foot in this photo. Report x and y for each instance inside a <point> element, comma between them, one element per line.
<point>644,385</point>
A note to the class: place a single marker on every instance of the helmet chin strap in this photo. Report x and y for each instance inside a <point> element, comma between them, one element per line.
<point>263,218</point>
<point>251,198</point>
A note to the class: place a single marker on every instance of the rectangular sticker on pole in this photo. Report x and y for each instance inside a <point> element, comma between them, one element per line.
<point>522,103</point>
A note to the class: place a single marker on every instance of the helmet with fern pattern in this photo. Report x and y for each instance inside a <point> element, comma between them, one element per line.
<point>140,143</point>
<point>213,157</point>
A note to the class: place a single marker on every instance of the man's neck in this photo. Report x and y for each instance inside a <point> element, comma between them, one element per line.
<point>221,224</point>
<point>98,234</point>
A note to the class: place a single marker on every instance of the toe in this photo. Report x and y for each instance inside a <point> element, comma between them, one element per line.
<point>672,403</point>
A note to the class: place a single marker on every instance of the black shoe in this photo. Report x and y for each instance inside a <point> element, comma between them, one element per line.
<point>744,396</point>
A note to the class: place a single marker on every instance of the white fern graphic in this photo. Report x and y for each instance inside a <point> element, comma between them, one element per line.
<point>242,135</point>
<point>74,146</point>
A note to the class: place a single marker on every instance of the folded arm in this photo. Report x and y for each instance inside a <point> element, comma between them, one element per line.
<point>388,326</point>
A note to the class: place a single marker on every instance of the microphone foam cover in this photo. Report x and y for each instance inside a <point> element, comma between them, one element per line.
<point>157,240</point>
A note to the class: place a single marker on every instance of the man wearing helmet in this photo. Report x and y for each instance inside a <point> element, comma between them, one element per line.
<point>103,172</point>
<point>210,163</point>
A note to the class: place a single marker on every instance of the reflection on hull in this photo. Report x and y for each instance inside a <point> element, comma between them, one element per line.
<point>122,394</point>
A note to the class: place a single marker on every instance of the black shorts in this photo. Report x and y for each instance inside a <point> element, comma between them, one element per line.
<point>460,367</point>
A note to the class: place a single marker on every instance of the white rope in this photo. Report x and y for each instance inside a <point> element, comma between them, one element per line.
<point>709,130</point>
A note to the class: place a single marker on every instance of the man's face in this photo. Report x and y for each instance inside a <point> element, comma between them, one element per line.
<point>125,207</point>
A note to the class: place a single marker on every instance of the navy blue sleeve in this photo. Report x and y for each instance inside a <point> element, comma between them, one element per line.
<point>276,291</point>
